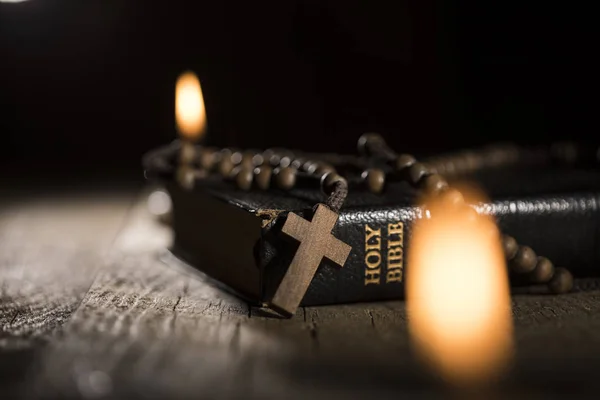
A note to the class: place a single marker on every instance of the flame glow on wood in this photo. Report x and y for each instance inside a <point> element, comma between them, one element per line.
<point>458,297</point>
<point>190,113</point>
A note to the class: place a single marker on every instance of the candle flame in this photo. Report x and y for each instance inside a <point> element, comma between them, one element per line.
<point>458,294</point>
<point>190,113</point>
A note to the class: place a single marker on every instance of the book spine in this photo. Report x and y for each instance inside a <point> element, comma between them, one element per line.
<point>376,265</point>
<point>564,229</point>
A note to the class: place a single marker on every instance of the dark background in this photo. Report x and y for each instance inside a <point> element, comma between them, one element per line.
<point>91,83</point>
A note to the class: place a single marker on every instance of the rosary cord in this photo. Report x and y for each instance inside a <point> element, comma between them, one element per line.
<point>523,262</point>
<point>159,163</point>
<point>287,170</point>
<point>336,199</point>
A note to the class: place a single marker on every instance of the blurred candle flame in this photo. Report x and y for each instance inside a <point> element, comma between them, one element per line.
<point>458,299</point>
<point>190,113</point>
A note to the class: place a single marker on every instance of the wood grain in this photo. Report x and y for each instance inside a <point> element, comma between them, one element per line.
<point>150,327</point>
<point>51,246</point>
<point>51,249</point>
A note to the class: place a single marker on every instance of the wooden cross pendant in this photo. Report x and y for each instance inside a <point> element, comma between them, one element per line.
<point>316,242</point>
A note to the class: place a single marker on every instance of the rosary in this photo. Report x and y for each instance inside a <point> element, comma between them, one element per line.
<point>375,166</point>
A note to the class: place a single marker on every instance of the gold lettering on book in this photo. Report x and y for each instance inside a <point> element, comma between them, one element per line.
<point>395,253</point>
<point>372,255</point>
<point>376,263</point>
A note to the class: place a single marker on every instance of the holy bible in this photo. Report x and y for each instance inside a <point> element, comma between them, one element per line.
<point>234,236</point>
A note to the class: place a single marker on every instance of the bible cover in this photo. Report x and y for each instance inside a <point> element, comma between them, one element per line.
<point>234,236</point>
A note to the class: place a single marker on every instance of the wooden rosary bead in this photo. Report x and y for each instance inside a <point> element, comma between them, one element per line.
<point>434,184</point>
<point>285,162</point>
<point>187,155</point>
<point>449,168</point>
<point>404,161</point>
<point>226,166</point>
<point>329,180</point>
<point>285,178</point>
<point>367,142</point>
<point>258,160</point>
<point>472,161</point>
<point>310,167</point>
<point>435,166</point>
<point>236,157</point>
<point>463,162</point>
<point>207,158</point>
<point>430,168</point>
<point>452,197</point>
<point>246,160</point>
<point>268,154</point>
<point>298,163</point>
<point>543,272</point>
<point>460,166</point>
<point>281,158</point>
<point>561,282</point>
<point>374,179</point>
<point>263,176</point>
<point>524,261</point>
<point>243,177</point>
<point>323,168</point>
<point>510,247</point>
<point>416,172</point>
<point>185,177</point>
<point>275,155</point>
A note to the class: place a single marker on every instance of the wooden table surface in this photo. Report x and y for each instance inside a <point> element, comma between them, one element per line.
<point>93,307</point>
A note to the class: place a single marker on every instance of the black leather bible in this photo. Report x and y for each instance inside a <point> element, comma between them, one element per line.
<point>234,236</point>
